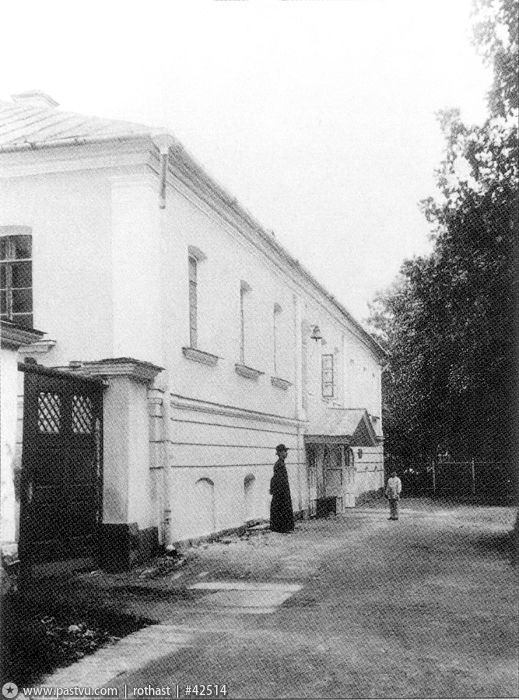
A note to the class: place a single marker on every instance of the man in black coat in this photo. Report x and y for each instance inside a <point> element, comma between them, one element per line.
<point>281,515</point>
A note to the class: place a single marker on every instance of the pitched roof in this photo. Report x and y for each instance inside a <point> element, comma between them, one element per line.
<point>352,425</point>
<point>25,125</point>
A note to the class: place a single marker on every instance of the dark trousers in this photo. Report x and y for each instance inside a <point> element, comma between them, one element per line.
<point>393,508</point>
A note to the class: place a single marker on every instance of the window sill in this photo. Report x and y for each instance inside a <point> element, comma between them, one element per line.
<point>247,372</point>
<point>204,358</point>
<point>38,348</point>
<point>280,383</point>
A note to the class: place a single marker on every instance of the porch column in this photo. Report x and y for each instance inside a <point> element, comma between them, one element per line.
<point>128,533</point>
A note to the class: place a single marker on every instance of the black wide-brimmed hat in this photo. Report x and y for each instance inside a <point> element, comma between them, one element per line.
<point>281,448</point>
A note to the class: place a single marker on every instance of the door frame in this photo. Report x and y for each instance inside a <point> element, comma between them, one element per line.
<point>68,382</point>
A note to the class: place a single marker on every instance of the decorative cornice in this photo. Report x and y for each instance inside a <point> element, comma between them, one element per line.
<point>196,355</point>
<point>69,157</point>
<point>184,167</point>
<point>185,403</point>
<point>247,372</point>
<point>120,367</point>
<point>13,336</point>
<point>30,365</point>
<point>280,383</point>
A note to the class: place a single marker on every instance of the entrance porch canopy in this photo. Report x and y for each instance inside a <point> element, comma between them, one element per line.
<point>343,426</point>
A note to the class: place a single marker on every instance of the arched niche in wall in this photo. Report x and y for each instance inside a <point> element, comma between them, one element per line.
<point>249,494</point>
<point>205,513</point>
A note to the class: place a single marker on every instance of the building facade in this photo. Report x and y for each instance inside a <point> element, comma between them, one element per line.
<point>213,342</point>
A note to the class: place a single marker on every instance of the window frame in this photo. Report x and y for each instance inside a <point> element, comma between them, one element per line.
<point>328,385</point>
<point>193,300</point>
<point>18,311</point>
<point>276,320</point>
<point>245,288</point>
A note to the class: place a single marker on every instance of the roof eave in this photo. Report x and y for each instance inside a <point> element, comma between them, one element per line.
<point>71,141</point>
<point>265,235</point>
<point>221,193</point>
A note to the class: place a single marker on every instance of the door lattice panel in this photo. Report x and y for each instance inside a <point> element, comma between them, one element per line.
<point>49,412</point>
<point>61,484</point>
<point>82,414</point>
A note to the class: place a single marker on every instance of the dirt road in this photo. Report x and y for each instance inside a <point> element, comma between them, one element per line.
<point>354,606</point>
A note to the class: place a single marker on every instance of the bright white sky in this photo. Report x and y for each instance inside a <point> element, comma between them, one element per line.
<point>318,115</point>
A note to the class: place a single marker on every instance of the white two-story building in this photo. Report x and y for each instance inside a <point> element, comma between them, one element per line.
<point>177,343</point>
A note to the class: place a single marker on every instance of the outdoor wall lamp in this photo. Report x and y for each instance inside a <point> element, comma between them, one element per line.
<point>316,333</point>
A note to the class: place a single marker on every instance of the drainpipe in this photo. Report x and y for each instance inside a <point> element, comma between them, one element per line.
<point>166,426</point>
<point>164,142</point>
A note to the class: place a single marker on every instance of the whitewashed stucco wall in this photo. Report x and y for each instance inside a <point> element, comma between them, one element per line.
<point>226,449</point>
<point>369,469</point>
<point>228,262</point>
<point>362,380</point>
<point>111,279</point>
<point>70,221</point>
<point>206,446</point>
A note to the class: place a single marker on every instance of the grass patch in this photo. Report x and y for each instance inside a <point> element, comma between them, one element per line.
<point>42,630</point>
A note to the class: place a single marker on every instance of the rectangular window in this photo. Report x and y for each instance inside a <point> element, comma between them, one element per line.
<point>16,279</point>
<point>277,312</point>
<point>245,288</point>
<point>242,325</point>
<point>193,303</point>
<point>327,378</point>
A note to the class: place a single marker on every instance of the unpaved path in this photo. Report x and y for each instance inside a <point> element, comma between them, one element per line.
<point>422,607</point>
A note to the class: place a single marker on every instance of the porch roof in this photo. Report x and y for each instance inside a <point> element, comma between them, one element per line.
<point>351,426</point>
<point>13,335</point>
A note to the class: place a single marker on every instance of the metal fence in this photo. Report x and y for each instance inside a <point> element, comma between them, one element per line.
<point>492,483</point>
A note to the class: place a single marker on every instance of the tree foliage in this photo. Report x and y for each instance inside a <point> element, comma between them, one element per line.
<point>448,321</point>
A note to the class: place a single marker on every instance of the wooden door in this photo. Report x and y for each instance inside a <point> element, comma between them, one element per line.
<point>61,467</point>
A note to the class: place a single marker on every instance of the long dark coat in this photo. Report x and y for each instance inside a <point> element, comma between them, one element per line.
<point>281,515</point>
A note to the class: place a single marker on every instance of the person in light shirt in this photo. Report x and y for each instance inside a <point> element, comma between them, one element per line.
<point>393,491</point>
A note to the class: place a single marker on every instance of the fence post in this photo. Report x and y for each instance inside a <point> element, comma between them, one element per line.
<point>473,470</point>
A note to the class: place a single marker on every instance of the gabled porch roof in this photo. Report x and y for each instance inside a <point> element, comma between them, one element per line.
<point>344,426</point>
